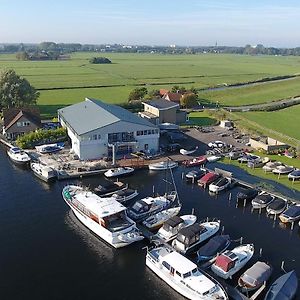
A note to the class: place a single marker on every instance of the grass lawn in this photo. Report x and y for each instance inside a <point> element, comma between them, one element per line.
<point>201,118</point>
<point>113,82</point>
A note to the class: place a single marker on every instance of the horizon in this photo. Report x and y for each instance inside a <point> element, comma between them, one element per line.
<point>196,23</point>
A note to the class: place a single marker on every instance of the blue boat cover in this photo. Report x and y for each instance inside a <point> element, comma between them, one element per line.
<point>214,246</point>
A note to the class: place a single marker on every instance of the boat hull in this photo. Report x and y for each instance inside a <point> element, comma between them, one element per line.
<point>18,162</point>
<point>50,179</point>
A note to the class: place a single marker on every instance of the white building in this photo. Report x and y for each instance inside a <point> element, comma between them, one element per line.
<point>94,126</point>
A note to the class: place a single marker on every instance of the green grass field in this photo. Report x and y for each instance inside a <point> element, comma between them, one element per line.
<point>76,78</point>
<point>201,118</point>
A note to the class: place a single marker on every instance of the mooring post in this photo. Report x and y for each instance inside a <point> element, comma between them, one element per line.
<point>182,176</point>
<point>241,240</point>
<point>230,195</point>
<point>193,180</point>
<point>260,252</point>
<point>153,190</point>
<point>193,211</point>
<point>222,229</point>
<point>282,265</point>
<point>260,210</point>
<point>292,227</point>
<point>245,201</point>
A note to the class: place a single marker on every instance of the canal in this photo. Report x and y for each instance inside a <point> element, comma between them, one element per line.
<point>46,253</point>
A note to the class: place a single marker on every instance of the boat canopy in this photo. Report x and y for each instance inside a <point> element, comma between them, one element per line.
<point>226,261</point>
<point>278,203</point>
<point>180,263</point>
<point>174,221</point>
<point>214,245</point>
<point>293,211</point>
<point>258,273</point>
<point>15,150</point>
<point>191,234</point>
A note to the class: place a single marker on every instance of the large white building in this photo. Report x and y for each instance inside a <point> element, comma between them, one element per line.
<point>94,127</point>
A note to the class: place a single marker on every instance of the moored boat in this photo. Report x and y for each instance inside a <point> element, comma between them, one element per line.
<point>43,172</point>
<point>157,220</point>
<point>284,287</point>
<point>290,215</point>
<point>50,148</point>
<point>163,165</point>
<point>213,158</point>
<point>277,206</point>
<point>189,238</point>
<point>255,276</point>
<point>271,165</point>
<point>197,161</point>
<point>214,246</point>
<point>183,275</point>
<point>108,188</point>
<point>117,172</point>
<point>231,261</point>
<point>208,178</point>
<point>188,151</point>
<point>18,156</point>
<point>145,207</point>
<point>282,170</point>
<point>247,194</point>
<point>194,175</point>
<point>294,175</point>
<point>171,227</point>
<point>123,196</point>
<point>106,217</point>
<point>262,200</point>
<point>219,185</point>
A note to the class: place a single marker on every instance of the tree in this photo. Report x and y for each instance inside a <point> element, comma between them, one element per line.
<point>188,100</point>
<point>22,56</point>
<point>100,60</point>
<point>153,94</point>
<point>16,91</point>
<point>137,94</point>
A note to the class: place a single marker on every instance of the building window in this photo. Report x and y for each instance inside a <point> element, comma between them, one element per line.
<point>26,123</point>
<point>156,131</point>
<point>149,131</point>
<point>19,124</point>
<point>145,132</point>
<point>99,136</point>
<point>95,137</point>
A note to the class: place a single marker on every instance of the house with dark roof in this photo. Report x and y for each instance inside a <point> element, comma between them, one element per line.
<point>160,111</point>
<point>18,121</point>
<point>95,128</point>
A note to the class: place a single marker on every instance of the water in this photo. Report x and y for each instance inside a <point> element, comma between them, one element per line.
<point>46,253</point>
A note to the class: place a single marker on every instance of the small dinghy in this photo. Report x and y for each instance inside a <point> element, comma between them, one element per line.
<point>255,276</point>
<point>156,221</point>
<point>188,151</point>
<point>197,161</point>
<point>194,175</point>
<point>117,172</point>
<point>163,165</point>
<point>216,245</point>
<point>277,206</point>
<point>171,227</point>
<point>50,148</point>
<point>247,194</point>
<point>189,238</point>
<point>219,185</point>
<point>290,215</point>
<point>282,170</point>
<point>123,196</point>
<point>108,188</point>
<point>271,165</point>
<point>231,261</point>
<point>43,172</point>
<point>213,158</point>
<point>18,156</point>
<point>262,200</point>
<point>284,288</point>
<point>295,175</point>
<point>208,178</point>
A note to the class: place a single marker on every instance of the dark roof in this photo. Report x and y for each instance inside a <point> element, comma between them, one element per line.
<point>162,104</point>
<point>11,116</point>
<point>192,230</point>
<point>174,221</point>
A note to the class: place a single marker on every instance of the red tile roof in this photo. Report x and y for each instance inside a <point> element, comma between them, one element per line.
<point>174,97</point>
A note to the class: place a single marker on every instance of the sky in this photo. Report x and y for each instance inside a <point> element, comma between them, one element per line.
<point>152,22</point>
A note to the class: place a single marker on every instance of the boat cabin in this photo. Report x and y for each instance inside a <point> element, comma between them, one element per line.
<point>191,235</point>
<point>173,224</point>
<point>226,261</point>
<point>141,206</point>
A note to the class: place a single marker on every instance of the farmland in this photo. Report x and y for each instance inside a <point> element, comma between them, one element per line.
<point>64,82</point>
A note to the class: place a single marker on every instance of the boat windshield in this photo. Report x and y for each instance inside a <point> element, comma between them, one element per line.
<point>117,222</point>
<point>140,207</point>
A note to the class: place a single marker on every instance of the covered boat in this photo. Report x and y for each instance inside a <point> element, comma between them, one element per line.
<point>271,165</point>
<point>189,238</point>
<point>117,172</point>
<point>290,215</point>
<point>284,288</point>
<point>197,161</point>
<point>163,165</point>
<point>50,148</point>
<point>213,158</point>
<point>255,276</point>
<point>208,178</point>
<point>231,261</point>
<point>43,172</point>
<point>295,175</point>
<point>107,188</point>
<point>171,227</point>
<point>18,156</point>
<point>188,151</point>
<point>157,220</point>
<point>247,194</point>
<point>214,246</point>
<point>220,185</point>
<point>262,200</point>
<point>277,206</point>
<point>183,275</point>
<point>123,196</point>
<point>282,170</point>
<point>194,175</point>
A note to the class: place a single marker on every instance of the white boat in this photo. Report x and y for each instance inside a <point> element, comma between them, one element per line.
<point>116,172</point>
<point>183,275</point>
<point>271,165</point>
<point>18,156</point>
<point>231,261</point>
<point>43,172</point>
<point>282,170</point>
<point>50,148</point>
<point>188,151</point>
<point>295,175</point>
<point>145,207</point>
<point>189,238</point>
<point>163,165</point>
<point>219,185</point>
<point>106,217</point>
<point>171,227</point>
<point>125,195</point>
<point>155,221</point>
<point>213,158</point>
